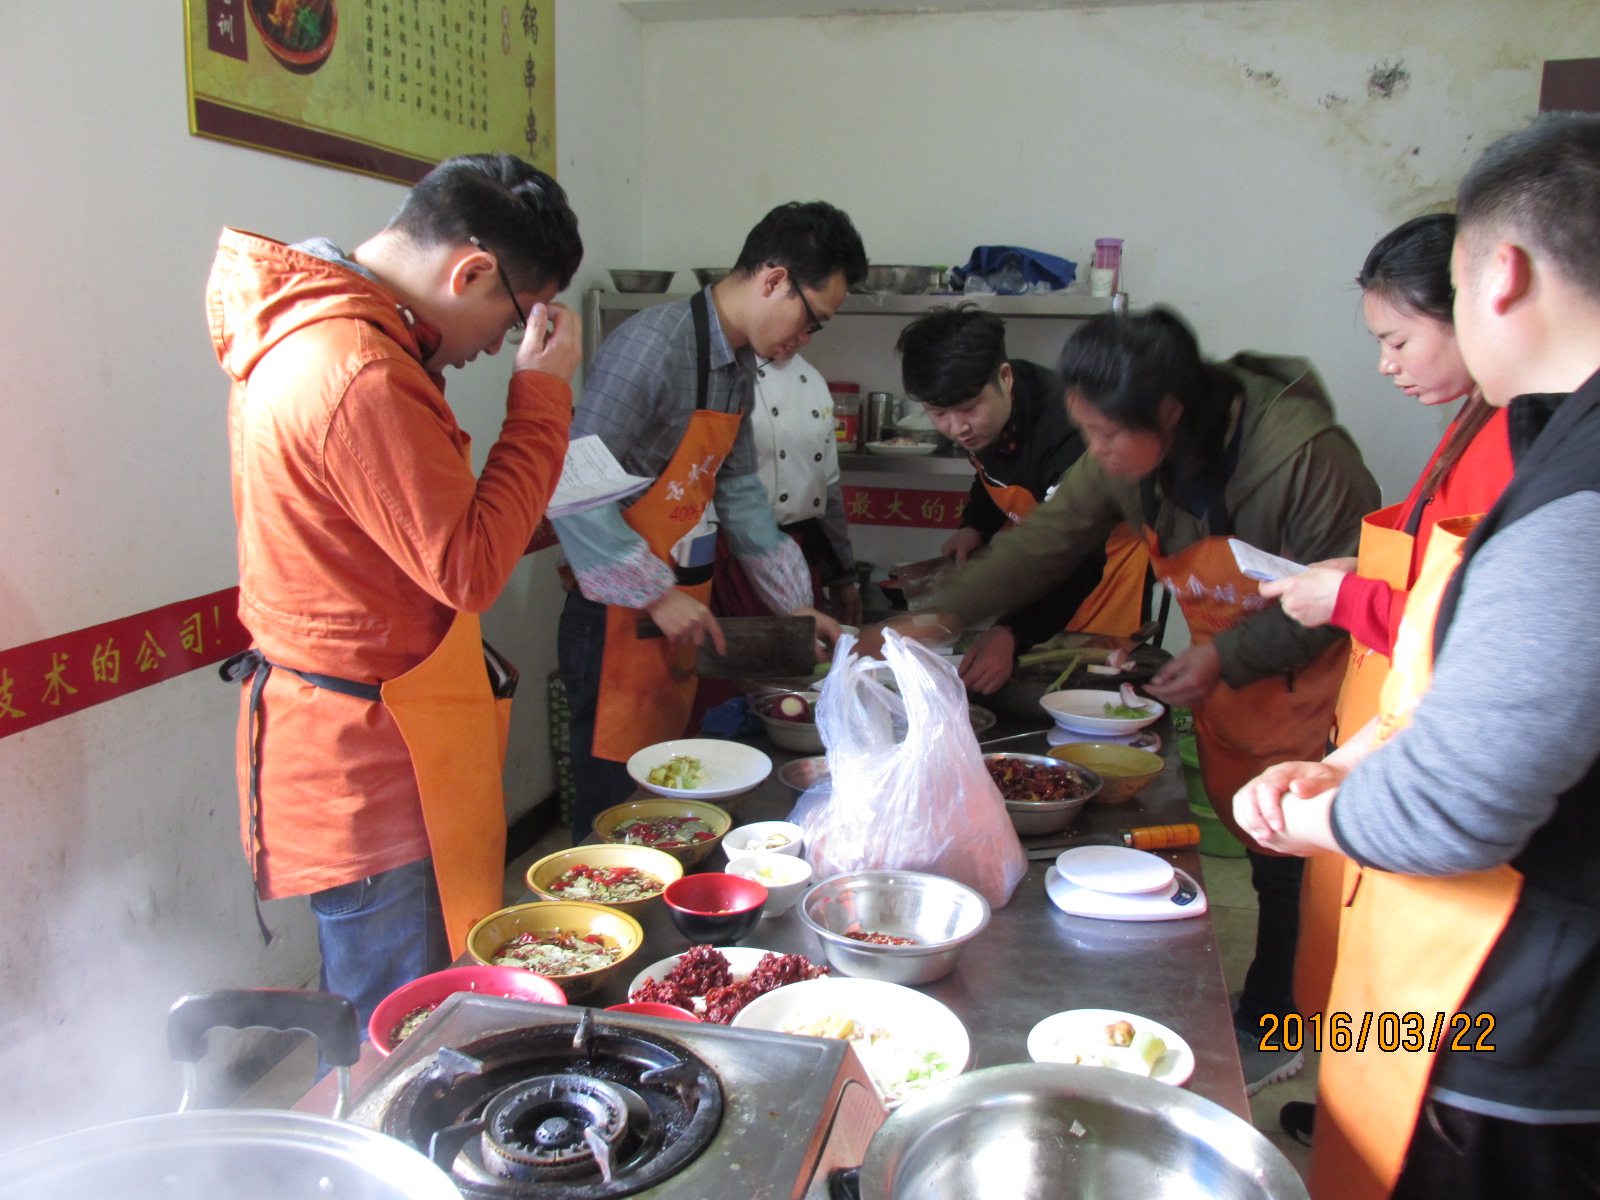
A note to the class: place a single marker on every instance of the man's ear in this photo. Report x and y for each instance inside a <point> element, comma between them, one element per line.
<point>466,268</point>
<point>771,278</point>
<point>1508,277</point>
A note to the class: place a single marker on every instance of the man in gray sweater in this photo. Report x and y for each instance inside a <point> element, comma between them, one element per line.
<point>1498,769</point>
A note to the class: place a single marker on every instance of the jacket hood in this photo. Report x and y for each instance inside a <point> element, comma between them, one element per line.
<point>1285,407</point>
<point>261,291</point>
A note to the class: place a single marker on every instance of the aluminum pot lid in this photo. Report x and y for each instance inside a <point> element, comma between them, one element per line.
<point>222,1154</point>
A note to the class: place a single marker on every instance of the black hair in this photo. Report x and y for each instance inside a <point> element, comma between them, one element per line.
<point>1125,366</point>
<point>518,213</point>
<point>949,355</point>
<point>1544,183</point>
<point>812,241</point>
<point>1410,267</point>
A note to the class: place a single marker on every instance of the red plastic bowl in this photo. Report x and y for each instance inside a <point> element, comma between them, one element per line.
<point>715,907</point>
<point>651,1008</point>
<point>512,982</point>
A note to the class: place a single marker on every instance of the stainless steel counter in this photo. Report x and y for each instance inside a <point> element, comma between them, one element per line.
<point>1035,960</point>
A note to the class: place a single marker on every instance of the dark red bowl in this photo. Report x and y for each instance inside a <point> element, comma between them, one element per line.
<point>714,907</point>
<point>511,982</point>
<point>651,1008</point>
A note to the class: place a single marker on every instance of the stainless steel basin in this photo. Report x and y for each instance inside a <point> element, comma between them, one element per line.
<point>1043,1131</point>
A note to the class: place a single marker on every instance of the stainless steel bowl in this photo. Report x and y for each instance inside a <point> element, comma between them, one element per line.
<point>901,280</point>
<point>1039,1131</point>
<point>941,914</point>
<point>805,773</point>
<point>1048,816</point>
<point>706,276</point>
<point>642,281</point>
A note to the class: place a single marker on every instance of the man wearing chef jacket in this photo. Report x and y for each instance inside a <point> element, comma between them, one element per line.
<point>1471,805</point>
<point>1010,416</point>
<point>667,393</point>
<point>797,456</point>
<point>370,736</point>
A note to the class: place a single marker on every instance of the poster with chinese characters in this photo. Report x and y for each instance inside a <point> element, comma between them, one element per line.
<point>383,87</point>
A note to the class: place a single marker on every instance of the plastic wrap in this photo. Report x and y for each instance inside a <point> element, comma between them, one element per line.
<point>908,789</point>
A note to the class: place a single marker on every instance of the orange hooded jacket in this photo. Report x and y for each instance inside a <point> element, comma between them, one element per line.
<point>362,530</point>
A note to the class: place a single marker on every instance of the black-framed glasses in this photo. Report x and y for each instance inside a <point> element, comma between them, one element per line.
<point>514,334</point>
<point>811,314</point>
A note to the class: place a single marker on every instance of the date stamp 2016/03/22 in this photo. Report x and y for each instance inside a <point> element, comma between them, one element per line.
<point>1386,1031</point>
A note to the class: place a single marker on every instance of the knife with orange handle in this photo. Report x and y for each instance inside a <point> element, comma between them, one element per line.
<point>1144,837</point>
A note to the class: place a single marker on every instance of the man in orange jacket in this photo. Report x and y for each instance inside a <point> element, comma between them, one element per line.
<point>369,751</point>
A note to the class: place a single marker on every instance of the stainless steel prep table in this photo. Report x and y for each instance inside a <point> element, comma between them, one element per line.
<point>1035,960</point>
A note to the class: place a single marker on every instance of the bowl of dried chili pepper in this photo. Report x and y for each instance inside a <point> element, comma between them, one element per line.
<point>1042,794</point>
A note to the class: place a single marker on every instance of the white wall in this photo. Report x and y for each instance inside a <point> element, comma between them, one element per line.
<point>1236,147</point>
<point>121,881</point>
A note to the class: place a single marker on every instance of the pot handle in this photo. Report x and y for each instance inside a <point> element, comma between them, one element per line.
<point>329,1018</point>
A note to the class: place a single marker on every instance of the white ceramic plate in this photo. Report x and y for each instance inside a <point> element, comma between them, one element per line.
<point>730,767</point>
<point>1049,1040</point>
<point>914,1021</point>
<point>1119,870</point>
<point>1084,710</point>
<point>917,451</point>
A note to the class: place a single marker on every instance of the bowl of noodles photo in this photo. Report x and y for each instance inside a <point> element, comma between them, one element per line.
<point>299,33</point>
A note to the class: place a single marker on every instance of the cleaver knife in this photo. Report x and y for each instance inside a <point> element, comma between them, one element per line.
<point>758,648</point>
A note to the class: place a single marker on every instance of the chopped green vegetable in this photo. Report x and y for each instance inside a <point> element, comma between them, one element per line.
<point>1124,712</point>
<point>680,771</point>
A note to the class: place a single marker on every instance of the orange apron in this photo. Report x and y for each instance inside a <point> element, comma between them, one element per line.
<point>1240,732</point>
<point>1116,605</point>
<point>455,729</point>
<point>647,685</point>
<point>1407,944</point>
<point>1385,553</point>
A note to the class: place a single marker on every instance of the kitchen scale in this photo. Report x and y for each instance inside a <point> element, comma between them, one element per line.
<point>1115,883</point>
<point>1139,739</point>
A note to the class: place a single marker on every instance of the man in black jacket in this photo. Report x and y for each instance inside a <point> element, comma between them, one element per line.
<point>1009,416</point>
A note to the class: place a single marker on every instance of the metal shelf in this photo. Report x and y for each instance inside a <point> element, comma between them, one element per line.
<point>885,464</point>
<point>891,304</point>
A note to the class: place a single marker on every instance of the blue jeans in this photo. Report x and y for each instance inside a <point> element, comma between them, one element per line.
<point>380,932</point>
<point>580,649</point>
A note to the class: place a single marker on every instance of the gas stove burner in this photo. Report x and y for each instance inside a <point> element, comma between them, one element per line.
<point>560,1112</point>
<point>560,1125</point>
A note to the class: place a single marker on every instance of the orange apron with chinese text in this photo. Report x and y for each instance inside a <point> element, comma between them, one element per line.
<point>1406,944</point>
<point>1116,605</point>
<point>647,685</point>
<point>455,729</point>
<point>1385,553</point>
<point>1240,732</point>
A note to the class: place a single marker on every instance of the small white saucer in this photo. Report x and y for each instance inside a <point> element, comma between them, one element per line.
<point>1139,739</point>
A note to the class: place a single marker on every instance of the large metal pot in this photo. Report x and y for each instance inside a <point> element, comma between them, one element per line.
<point>1041,1131</point>
<point>241,1154</point>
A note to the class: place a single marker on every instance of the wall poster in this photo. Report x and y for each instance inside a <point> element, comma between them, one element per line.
<point>382,87</point>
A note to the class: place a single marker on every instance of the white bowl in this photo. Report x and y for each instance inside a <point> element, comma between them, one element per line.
<point>914,1021</point>
<point>801,737</point>
<point>746,838</point>
<point>784,876</point>
<point>1083,710</point>
<point>730,767</point>
<point>917,451</point>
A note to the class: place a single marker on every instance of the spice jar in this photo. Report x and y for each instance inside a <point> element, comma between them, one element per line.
<point>846,414</point>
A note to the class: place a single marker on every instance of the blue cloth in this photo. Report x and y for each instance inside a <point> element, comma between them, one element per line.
<point>379,933</point>
<point>1002,266</point>
<point>731,719</point>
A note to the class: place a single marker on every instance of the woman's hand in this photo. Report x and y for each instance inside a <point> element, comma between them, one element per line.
<point>828,631</point>
<point>962,544</point>
<point>845,599</point>
<point>990,659</point>
<point>1258,805</point>
<point>1189,678</point>
<point>1308,597</point>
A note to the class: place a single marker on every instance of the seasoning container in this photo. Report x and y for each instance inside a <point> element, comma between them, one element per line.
<point>877,417</point>
<point>1105,277</point>
<point>846,414</point>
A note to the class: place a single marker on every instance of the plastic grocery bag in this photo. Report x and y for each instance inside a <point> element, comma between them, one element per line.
<point>908,789</point>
